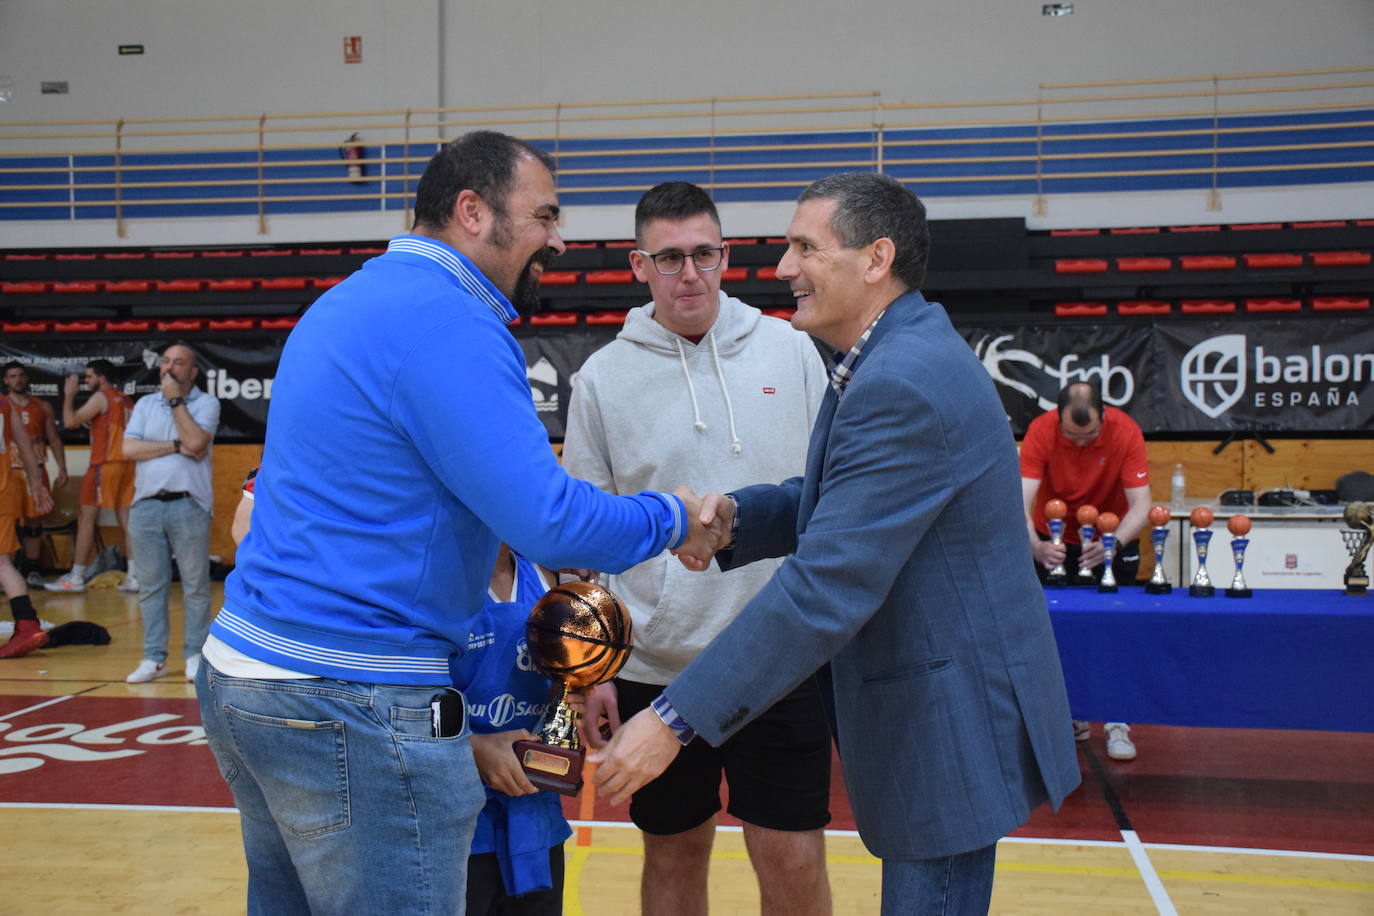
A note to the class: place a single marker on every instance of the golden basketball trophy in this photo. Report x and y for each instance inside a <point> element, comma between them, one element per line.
<point>1359,517</point>
<point>1055,510</point>
<point>1087,517</point>
<point>578,636</point>
<point>1239,526</point>
<point>1202,533</point>
<point>1107,522</point>
<point>1159,582</point>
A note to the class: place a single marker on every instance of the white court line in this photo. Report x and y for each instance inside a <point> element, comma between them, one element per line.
<point>67,806</point>
<point>20,712</point>
<point>1147,874</point>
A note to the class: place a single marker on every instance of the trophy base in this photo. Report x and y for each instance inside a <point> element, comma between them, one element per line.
<point>1357,588</point>
<point>1107,589</point>
<point>1202,591</point>
<point>1054,581</point>
<point>1238,593</point>
<point>1158,588</point>
<point>558,769</point>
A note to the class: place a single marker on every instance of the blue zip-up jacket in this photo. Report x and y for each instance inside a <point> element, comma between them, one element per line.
<point>402,448</point>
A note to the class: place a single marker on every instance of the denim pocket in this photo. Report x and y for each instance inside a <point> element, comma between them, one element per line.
<point>306,782</point>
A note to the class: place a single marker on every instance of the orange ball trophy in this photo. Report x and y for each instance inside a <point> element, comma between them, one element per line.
<point>1159,533</point>
<point>1087,518</point>
<point>1202,533</point>
<point>578,636</point>
<point>1357,542</point>
<point>1239,526</point>
<point>1055,510</point>
<point>1107,522</point>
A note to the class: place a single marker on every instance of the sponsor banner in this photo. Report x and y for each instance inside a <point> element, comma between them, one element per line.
<point>1184,376</point>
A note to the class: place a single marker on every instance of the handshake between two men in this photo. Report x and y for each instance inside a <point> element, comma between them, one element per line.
<point>709,522</point>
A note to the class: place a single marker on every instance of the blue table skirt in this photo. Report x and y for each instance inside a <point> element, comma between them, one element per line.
<point>1281,659</point>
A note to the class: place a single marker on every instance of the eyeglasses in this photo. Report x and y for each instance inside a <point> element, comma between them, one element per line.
<point>669,263</point>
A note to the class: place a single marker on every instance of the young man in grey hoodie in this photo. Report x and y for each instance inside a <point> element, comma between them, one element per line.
<point>703,390</point>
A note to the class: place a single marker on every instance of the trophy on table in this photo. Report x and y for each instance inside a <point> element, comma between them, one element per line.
<point>578,636</point>
<point>1106,523</point>
<point>1159,582</point>
<point>1239,526</point>
<point>1202,533</point>
<point>1359,517</point>
<point>1087,518</point>
<point>1055,510</point>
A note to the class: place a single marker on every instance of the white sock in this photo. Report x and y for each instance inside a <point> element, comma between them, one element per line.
<point>79,570</point>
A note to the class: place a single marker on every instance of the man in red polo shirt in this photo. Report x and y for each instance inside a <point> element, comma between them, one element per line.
<point>1087,454</point>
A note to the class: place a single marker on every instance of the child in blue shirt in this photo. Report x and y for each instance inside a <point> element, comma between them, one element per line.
<point>516,865</point>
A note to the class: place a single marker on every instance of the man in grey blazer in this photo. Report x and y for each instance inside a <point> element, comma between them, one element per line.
<point>907,569</point>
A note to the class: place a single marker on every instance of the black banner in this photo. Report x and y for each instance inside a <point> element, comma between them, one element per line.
<point>1182,376</point>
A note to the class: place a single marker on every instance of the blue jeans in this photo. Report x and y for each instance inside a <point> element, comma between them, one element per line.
<point>346,801</point>
<point>951,886</point>
<point>160,529</point>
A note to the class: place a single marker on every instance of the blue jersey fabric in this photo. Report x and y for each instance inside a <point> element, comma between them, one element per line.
<point>403,447</point>
<point>504,692</point>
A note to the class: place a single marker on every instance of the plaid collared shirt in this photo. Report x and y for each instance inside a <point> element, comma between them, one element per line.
<point>842,366</point>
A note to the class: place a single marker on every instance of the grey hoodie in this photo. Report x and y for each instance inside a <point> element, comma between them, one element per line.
<point>652,410</point>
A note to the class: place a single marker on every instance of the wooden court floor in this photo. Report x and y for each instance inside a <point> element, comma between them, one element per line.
<point>110,803</point>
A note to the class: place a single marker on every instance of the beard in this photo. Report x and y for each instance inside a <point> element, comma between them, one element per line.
<point>525,298</point>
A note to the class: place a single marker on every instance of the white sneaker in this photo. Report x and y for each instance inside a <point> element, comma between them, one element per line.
<point>1119,744</point>
<point>1081,730</point>
<point>192,666</point>
<point>128,584</point>
<point>68,583</point>
<point>147,670</point>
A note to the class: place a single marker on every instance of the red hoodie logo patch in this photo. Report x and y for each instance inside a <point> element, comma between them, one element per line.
<point>770,391</point>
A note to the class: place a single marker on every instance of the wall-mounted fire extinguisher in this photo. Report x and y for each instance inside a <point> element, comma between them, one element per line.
<point>352,153</point>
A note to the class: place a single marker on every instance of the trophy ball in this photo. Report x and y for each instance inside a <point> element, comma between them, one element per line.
<point>1159,516</point>
<point>579,634</point>
<point>1108,521</point>
<point>1201,517</point>
<point>1056,508</point>
<point>1357,515</point>
<point>1087,515</point>
<point>1238,525</point>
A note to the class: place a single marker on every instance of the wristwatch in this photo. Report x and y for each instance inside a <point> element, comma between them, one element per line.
<point>176,446</point>
<point>176,402</point>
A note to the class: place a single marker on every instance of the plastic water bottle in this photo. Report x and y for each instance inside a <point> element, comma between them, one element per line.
<point>1178,488</point>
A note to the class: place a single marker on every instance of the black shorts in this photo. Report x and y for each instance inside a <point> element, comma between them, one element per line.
<point>487,894</point>
<point>777,768</point>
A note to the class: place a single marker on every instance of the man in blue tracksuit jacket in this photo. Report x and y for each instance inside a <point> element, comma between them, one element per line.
<point>402,448</point>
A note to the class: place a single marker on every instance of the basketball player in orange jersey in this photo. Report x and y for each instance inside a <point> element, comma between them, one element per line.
<point>39,421</point>
<point>28,635</point>
<point>109,481</point>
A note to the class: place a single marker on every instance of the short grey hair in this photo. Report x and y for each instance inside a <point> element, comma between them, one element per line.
<point>869,207</point>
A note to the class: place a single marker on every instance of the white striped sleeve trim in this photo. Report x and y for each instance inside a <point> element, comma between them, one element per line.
<point>337,658</point>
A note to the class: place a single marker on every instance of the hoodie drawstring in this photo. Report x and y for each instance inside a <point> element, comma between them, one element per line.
<point>698,424</point>
<point>736,446</point>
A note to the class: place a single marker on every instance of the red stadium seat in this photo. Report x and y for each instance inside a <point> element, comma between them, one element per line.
<point>89,326</point>
<point>279,324</point>
<point>734,274</point>
<point>24,288</point>
<point>172,255</point>
<point>1321,224</point>
<point>180,324</point>
<point>1273,260</point>
<point>606,318</point>
<point>228,253</point>
<point>272,252</point>
<point>784,314</point>
<point>580,246</point>
<point>558,319</point>
<point>1143,307</point>
<point>1079,309</point>
<point>231,324</point>
<point>1066,233</point>
<point>130,324</point>
<point>610,277</point>
<point>128,286</point>
<point>1255,227</point>
<point>229,284</point>
<point>1194,228</point>
<point>364,250</point>
<point>125,255</point>
<point>1080,266</point>
<point>560,278</point>
<point>283,283</point>
<point>178,286</point>
<point>766,273</point>
<point>17,256</point>
<point>1143,265</point>
<point>1340,258</point>
<point>1207,306</point>
<point>76,256</point>
<point>76,286</point>
<point>1135,230</point>
<point>621,245</point>
<point>1340,304</point>
<point>326,282</point>
<point>320,252</point>
<point>23,327</point>
<point>1273,305</point>
<point>1207,262</point>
